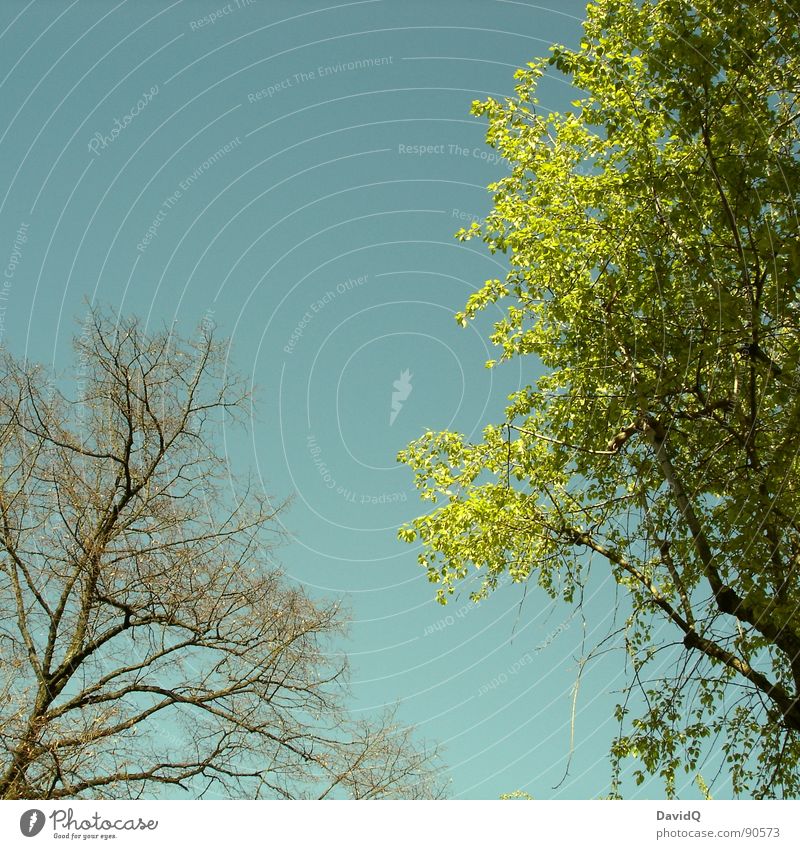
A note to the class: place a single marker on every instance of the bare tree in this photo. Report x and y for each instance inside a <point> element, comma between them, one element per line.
<point>146,637</point>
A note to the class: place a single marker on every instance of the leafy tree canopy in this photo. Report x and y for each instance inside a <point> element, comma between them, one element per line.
<point>654,271</point>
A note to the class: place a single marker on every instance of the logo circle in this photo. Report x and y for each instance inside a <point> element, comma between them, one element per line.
<point>31,822</point>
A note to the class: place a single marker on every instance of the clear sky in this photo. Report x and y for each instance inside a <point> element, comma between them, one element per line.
<point>295,171</point>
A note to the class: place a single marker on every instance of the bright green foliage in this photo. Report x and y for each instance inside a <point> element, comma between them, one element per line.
<point>652,239</point>
<point>517,796</point>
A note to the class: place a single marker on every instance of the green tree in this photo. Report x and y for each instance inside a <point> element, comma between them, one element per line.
<point>146,638</point>
<point>652,241</point>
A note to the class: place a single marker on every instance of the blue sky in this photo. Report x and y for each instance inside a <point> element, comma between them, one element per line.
<point>295,173</point>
